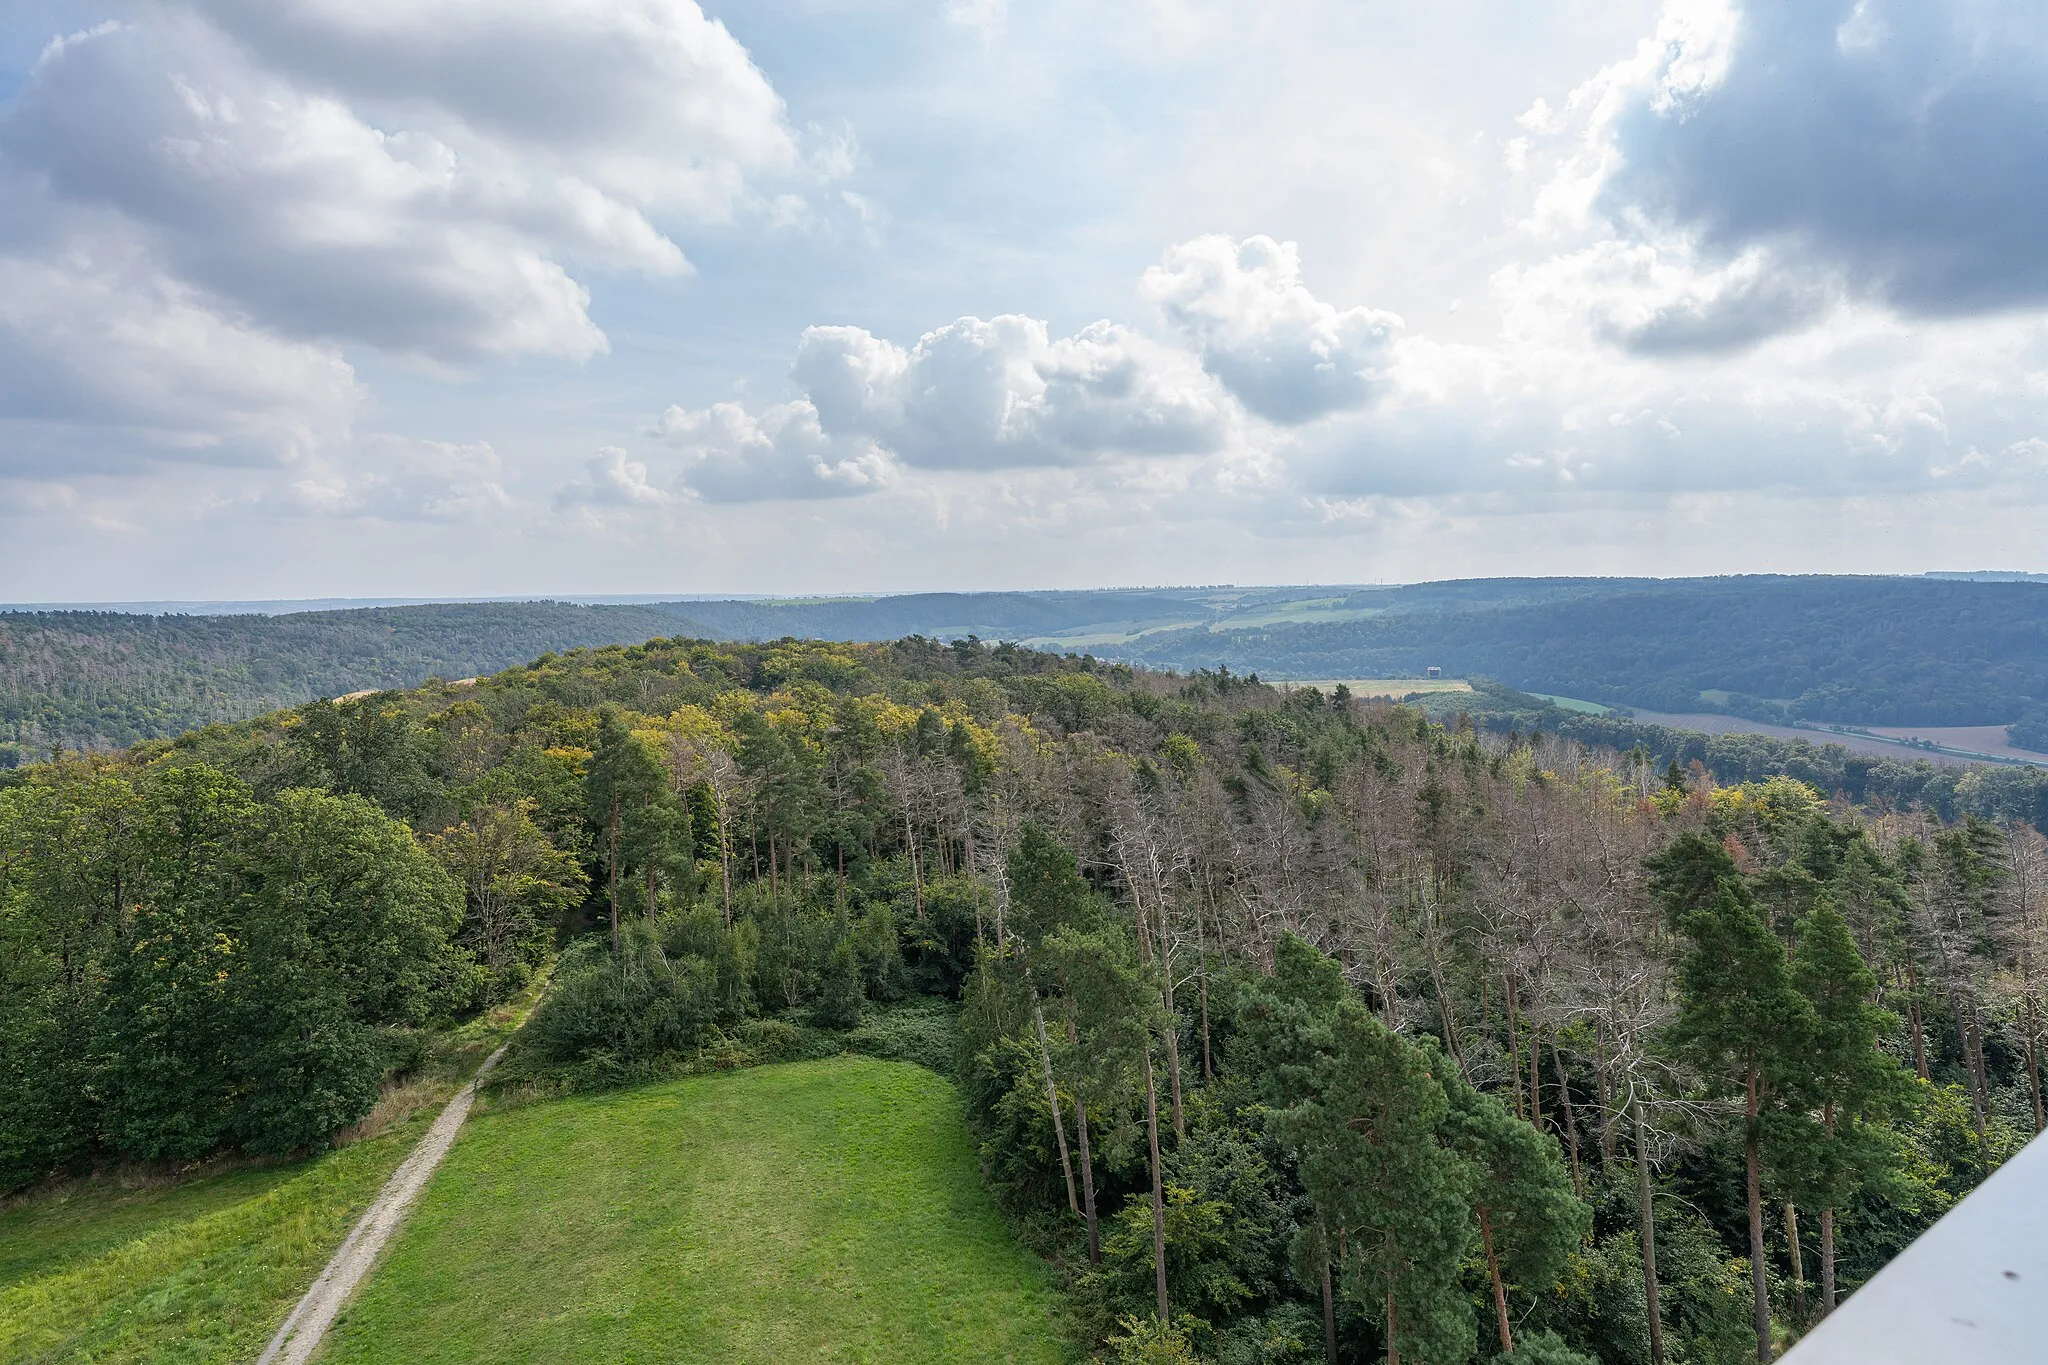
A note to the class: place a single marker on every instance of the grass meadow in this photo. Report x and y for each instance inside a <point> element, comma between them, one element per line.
<point>815,1211</point>
<point>198,1268</point>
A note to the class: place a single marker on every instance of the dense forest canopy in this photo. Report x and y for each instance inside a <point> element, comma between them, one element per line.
<point>1292,1027</point>
<point>1861,650</point>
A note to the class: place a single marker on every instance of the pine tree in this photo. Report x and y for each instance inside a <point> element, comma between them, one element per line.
<point>1841,1072</point>
<point>1528,1218</point>
<point>1740,1021</point>
<point>1361,1107</point>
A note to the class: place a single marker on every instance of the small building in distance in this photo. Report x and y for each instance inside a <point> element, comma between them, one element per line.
<point>1435,672</point>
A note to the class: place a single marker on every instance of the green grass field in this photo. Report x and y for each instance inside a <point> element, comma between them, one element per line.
<point>813,1211</point>
<point>200,1270</point>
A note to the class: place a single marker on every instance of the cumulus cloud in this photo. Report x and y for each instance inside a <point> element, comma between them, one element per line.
<point>96,338</point>
<point>738,456</point>
<point>1003,393</point>
<point>1286,354</point>
<point>1790,153</point>
<point>284,179</point>
<point>612,480</point>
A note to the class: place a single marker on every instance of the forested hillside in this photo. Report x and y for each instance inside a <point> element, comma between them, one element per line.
<point>101,679</point>
<point>1874,651</point>
<point>1291,1027</point>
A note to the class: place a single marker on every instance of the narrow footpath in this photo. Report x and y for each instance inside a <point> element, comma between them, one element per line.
<point>308,1322</point>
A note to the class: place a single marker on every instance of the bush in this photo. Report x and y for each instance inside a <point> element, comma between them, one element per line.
<point>925,1032</point>
<point>635,1008</point>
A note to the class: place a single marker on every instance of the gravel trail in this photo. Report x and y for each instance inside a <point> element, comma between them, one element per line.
<point>307,1325</point>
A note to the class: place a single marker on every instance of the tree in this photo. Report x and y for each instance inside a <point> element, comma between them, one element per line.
<point>1529,1219</point>
<point>1360,1108</point>
<point>1740,1021</point>
<point>515,883</point>
<point>1841,1071</point>
<point>624,781</point>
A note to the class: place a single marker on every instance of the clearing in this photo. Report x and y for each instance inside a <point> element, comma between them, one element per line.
<point>826,1210</point>
<point>201,1268</point>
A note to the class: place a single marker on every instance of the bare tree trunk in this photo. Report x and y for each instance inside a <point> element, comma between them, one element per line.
<point>1798,1260</point>
<point>1571,1123</point>
<point>1753,1189</point>
<point>1087,1179</point>
<point>1052,1099</point>
<point>2033,1028</point>
<point>1827,1261</point>
<point>1973,1063</point>
<point>1514,1047</point>
<point>1500,1293</point>
<point>1158,1188</point>
<point>1646,1216</point>
<point>1536,1077</point>
<point>1607,1113</point>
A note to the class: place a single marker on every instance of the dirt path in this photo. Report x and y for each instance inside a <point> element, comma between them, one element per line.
<point>307,1325</point>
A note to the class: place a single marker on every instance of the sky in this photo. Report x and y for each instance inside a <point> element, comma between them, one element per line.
<point>310,298</point>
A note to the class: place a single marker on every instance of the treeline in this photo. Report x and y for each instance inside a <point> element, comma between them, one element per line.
<point>1291,1027</point>
<point>1872,651</point>
<point>96,680</point>
<point>1951,791</point>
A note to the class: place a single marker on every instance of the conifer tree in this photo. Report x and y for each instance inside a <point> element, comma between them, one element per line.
<point>1361,1108</point>
<point>1842,1072</point>
<point>1740,1022</point>
<point>1522,1200</point>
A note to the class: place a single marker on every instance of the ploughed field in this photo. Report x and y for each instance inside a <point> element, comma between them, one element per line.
<point>827,1211</point>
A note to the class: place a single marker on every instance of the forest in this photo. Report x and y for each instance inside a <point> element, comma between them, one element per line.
<point>1291,1027</point>
<point>1869,651</point>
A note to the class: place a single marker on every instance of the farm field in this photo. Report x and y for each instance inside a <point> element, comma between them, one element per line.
<point>1715,724</point>
<point>825,1210</point>
<point>201,1269</point>
<point>1978,739</point>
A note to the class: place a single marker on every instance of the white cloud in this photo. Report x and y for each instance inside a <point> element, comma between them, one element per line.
<point>1003,393</point>
<point>611,480</point>
<point>1286,354</point>
<point>226,195</point>
<point>737,456</point>
<point>104,355</point>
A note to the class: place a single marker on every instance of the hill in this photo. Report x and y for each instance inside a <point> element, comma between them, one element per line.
<point>810,1211</point>
<point>104,679</point>
<point>1873,651</point>
<point>1862,651</point>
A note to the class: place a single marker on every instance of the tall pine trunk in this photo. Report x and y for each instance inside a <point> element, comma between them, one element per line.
<point>1753,1189</point>
<point>1052,1100</point>
<point>1329,1308</point>
<point>1158,1188</point>
<point>1798,1258</point>
<point>1087,1178</point>
<point>1500,1292</point>
<point>1646,1218</point>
